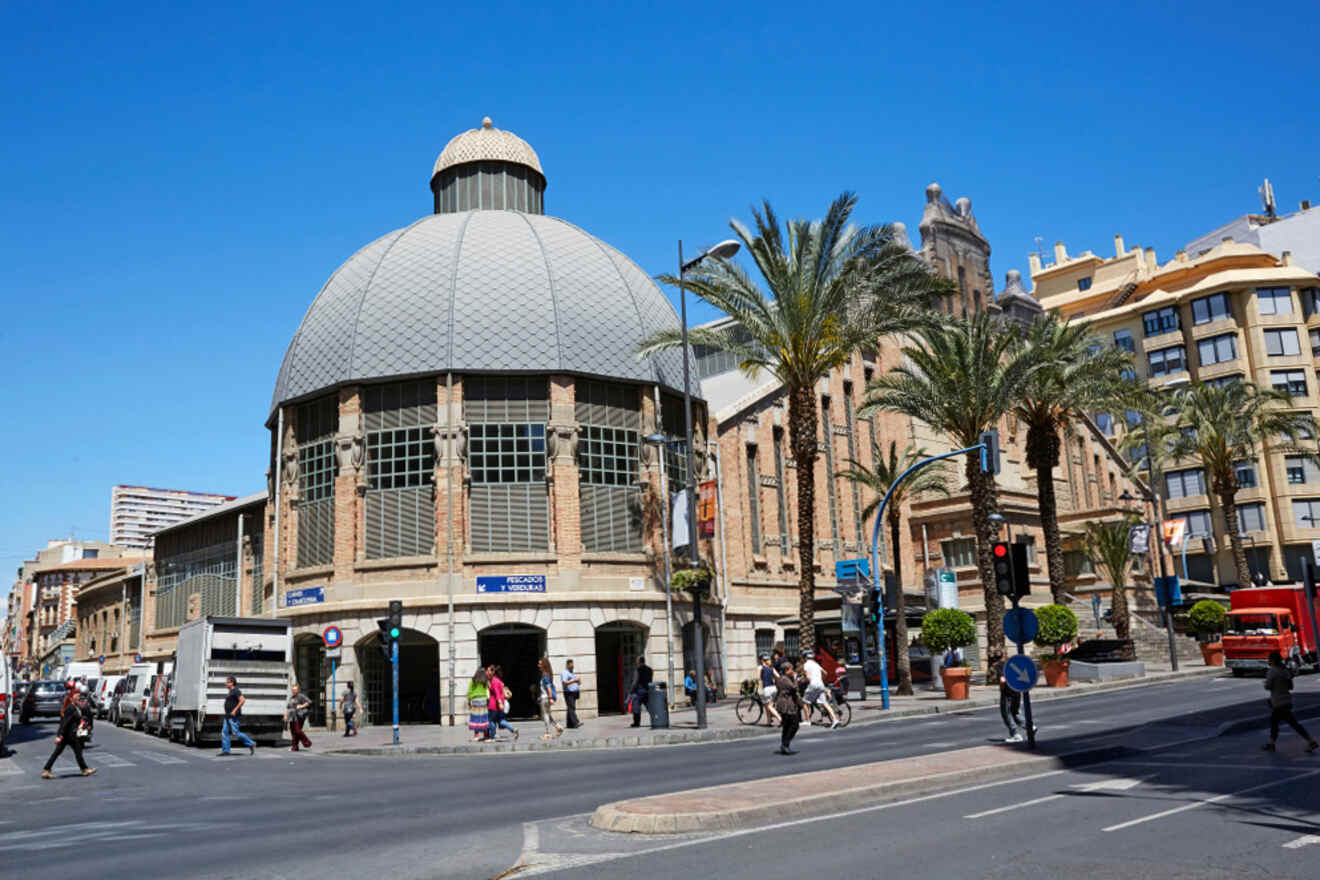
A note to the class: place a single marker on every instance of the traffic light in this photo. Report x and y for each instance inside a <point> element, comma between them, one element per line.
<point>396,618</point>
<point>990,454</point>
<point>1002,555</point>
<point>1021,571</point>
<point>385,642</point>
<point>870,608</point>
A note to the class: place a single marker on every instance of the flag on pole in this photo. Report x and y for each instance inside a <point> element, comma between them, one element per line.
<point>679,532</point>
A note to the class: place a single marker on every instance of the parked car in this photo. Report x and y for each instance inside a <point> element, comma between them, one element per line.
<point>112,704</point>
<point>133,700</point>
<point>105,694</point>
<point>44,699</point>
<point>157,717</point>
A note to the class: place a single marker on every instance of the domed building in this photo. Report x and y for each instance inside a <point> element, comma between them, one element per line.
<point>459,421</point>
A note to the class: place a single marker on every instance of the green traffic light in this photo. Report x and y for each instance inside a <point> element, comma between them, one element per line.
<point>394,632</point>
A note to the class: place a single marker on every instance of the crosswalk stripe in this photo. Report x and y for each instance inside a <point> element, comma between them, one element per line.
<point>105,759</point>
<point>159,758</point>
<point>10,768</point>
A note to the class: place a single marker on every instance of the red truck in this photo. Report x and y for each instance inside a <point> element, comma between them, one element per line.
<point>1265,619</point>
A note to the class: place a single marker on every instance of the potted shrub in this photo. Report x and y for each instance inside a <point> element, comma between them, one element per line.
<point>1058,629</point>
<point>944,630</point>
<point>1207,620</point>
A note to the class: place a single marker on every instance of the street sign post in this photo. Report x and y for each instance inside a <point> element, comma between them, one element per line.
<point>137,658</point>
<point>334,646</point>
<point>1020,673</point>
<point>1021,625</point>
<point>101,659</point>
<point>332,637</point>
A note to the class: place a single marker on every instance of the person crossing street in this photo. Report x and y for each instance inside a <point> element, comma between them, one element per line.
<point>789,706</point>
<point>1278,681</point>
<point>296,715</point>
<point>234,701</point>
<point>71,733</point>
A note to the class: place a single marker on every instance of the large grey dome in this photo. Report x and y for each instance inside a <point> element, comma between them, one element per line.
<point>480,291</point>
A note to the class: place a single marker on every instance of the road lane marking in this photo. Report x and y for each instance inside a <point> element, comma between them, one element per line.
<point>1039,800</point>
<point>1304,840</point>
<point>1213,800</point>
<point>159,758</point>
<point>9,768</point>
<point>105,759</point>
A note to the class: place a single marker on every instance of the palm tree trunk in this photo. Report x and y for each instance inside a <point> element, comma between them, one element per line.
<point>802,437</point>
<point>1118,605</point>
<point>1043,456</point>
<point>903,662</point>
<point>984,503</point>
<point>1228,500</point>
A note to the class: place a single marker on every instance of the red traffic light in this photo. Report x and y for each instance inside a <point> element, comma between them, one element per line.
<point>1001,550</point>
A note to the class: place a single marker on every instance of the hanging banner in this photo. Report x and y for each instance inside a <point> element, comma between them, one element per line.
<point>1139,539</point>
<point>1174,529</point>
<point>679,534</point>
<point>706,509</point>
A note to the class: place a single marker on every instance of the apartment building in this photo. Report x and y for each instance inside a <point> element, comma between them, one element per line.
<point>137,512</point>
<point>1234,312</point>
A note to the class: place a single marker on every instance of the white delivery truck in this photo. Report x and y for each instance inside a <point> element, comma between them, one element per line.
<point>83,671</point>
<point>256,651</point>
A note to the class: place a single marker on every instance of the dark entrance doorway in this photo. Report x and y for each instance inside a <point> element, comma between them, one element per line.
<point>309,667</point>
<point>419,679</point>
<point>516,647</point>
<point>617,647</point>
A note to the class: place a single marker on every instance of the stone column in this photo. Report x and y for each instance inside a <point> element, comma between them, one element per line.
<point>449,472</point>
<point>350,484</point>
<point>288,496</point>
<point>562,436</point>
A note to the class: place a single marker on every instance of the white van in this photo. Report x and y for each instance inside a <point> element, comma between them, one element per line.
<point>84,671</point>
<point>104,691</point>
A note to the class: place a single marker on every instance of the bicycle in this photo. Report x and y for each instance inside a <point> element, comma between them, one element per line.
<point>751,708</point>
<point>842,709</point>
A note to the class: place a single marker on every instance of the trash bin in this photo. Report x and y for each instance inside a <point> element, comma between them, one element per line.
<point>657,704</point>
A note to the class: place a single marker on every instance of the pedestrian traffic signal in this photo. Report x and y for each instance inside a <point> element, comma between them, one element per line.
<point>396,618</point>
<point>1021,570</point>
<point>990,451</point>
<point>385,641</point>
<point>871,607</point>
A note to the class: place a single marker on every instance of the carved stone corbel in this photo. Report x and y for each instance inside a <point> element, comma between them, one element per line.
<point>562,442</point>
<point>440,436</point>
<point>290,470</point>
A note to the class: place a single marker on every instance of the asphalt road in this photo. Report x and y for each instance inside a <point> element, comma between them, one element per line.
<point>168,811</point>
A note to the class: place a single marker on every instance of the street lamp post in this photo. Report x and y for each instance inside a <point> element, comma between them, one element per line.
<point>722,251</point>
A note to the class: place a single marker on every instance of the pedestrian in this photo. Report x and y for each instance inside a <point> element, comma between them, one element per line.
<point>1278,681</point>
<point>1010,701</point>
<point>546,697</point>
<point>71,733</point>
<point>572,690</point>
<point>768,691</point>
<point>499,703</point>
<point>234,701</point>
<point>348,704</point>
<point>690,687</point>
<point>816,695</point>
<point>710,687</point>
<point>295,713</point>
<point>478,697</point>
<point>789,706</point>
<point>641,687</point>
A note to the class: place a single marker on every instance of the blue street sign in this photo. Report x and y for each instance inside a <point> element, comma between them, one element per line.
<point>511,583</point>
<point>137,658</point>
<point>1021,625</point>
<point>305,596</point>
<point>1020,673</point>
<point>100,659</point>
<point>1168,591</point>
<point>852,571</point>
<point>332,637</point>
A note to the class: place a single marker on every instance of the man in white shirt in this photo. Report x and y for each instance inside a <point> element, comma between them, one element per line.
<point>816,694</point>
<point>572,688</point>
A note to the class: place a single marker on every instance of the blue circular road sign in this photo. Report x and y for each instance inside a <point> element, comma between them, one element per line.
<point>1021,625</point>
<point>332,637</point>
<point>137,658</point>
<point>1020,672</point>
<point>101,659</point>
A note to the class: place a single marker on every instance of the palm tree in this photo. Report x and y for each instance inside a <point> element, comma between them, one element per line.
<point>1222,425</point>
<point>960,378</point>
<point>930,480</point>
<point>1109,547</point>
<point>830,289</point>
<point>1076,376</point>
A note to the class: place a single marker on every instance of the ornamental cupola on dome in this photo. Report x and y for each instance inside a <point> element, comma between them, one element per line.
<point>488,168</point>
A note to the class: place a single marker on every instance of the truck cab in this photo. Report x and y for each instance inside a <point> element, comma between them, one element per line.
<point>1266,619</point>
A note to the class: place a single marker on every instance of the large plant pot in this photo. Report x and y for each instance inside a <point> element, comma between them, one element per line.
<point>1212,653</point>
<point>957,681</point>
<point>1056,674</point>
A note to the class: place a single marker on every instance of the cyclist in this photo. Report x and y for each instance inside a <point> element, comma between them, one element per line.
<point>816,694</point>
<point>768,691</point>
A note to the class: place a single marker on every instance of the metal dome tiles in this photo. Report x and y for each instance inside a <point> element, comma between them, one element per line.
<point>480,291</point>
<point>484,144</point>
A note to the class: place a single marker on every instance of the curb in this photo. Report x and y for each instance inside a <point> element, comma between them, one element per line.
<point>614,816</point>
<point>731,734</point>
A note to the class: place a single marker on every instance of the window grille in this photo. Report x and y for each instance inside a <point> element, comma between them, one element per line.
<point>829,465</point>
<point>781,491</point>
<point>674,426</point>
<point>753,501</point>
<point>208,570</point>
<point>610,501</point>
<point>765,641</point>
<point>400,499</point>
<point>508,500</point>
<point>314,433</point>
<point>258,575</point>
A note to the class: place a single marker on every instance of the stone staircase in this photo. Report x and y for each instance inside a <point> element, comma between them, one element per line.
<point>1149,638</point>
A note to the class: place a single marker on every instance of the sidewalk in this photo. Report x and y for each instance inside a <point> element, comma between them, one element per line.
<point>615,731</point>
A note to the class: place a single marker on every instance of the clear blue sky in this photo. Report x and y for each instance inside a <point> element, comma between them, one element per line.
<point>179,182</point>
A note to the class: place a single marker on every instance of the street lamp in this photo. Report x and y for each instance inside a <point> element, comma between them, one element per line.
<point>722,251</point>
<point>661,442</point>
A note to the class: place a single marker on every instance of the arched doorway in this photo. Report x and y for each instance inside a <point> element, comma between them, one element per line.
<point>309,668</point>
<point>419,679</point>
<point>516,647</point>
<point>618,645</point>
<point>710,651</point>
